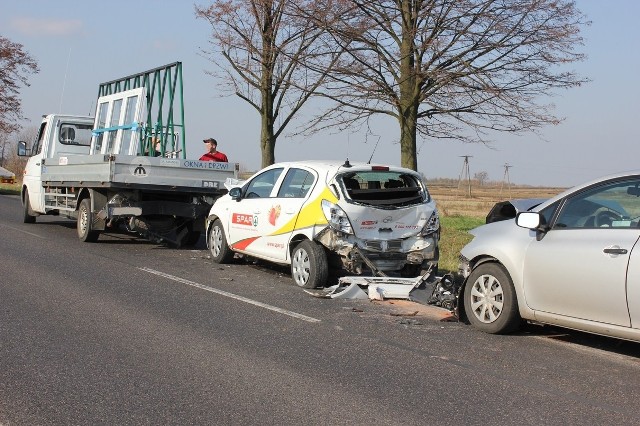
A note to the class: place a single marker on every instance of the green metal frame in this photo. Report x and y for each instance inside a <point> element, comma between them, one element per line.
<point>161,121</point>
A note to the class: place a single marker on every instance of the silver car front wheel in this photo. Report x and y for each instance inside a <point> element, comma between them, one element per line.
<point>490,300</point>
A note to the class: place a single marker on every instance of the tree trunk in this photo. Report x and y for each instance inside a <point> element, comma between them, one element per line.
<point>409,91</point>
<point>267,142</point>
<point>267,139</point>
<point>408,131</point>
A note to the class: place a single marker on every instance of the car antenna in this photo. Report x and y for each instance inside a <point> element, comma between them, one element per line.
<point>374,150</point>
<point>347,163</point>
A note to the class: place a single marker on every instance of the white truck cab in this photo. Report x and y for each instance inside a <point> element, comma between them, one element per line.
<point>59,135</point>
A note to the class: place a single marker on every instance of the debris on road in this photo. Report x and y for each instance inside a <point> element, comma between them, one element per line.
<point>427,289</point>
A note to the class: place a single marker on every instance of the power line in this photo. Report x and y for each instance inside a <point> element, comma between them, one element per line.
<point>505,178</point>
<point>465,172</point>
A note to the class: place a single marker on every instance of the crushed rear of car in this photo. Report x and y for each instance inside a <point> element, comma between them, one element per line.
<point>393,223</point>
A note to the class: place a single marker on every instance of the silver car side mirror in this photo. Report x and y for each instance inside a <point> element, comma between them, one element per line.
<point>530,220</point>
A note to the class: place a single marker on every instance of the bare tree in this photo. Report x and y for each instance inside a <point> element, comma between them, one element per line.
<point>457,69</point>
<point>269,51</point>
<point>10,159</point>
<point>15,65</point>
<point>481,177</point>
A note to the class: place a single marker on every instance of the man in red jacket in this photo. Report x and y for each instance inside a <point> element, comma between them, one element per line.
<point>213,154</point>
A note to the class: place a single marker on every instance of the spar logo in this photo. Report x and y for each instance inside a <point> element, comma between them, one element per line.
<point>244,219</point>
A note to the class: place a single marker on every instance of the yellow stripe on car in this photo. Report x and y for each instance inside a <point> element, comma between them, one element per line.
<point>310,215</point>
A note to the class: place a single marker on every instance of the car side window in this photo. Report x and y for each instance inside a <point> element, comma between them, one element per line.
<point>262,185</point>
<point>615,204</point>
<point>547,212</point>
<point>296,184</point>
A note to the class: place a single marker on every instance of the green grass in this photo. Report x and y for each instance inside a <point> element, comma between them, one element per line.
<point>453,237</point>
<point>7,189</point>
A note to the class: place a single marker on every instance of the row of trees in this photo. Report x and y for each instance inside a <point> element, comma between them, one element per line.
<point>15,66</point>
<point>455,69</point>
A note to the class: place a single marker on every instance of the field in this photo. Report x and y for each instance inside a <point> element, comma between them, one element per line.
<point>459,212</point>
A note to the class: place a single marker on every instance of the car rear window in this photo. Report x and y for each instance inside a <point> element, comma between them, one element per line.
<point>383,188</point>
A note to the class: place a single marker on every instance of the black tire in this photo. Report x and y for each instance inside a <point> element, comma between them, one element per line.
<point>309,267</point>
<point>84,223</point>
<point>191,238</point>
<point>490,300</point>
<point>220,250</point>
<point>29,215</point>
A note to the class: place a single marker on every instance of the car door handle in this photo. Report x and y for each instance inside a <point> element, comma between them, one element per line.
<point>615,250</point>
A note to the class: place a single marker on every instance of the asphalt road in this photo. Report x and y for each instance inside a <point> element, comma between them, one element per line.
<point>124,331</point>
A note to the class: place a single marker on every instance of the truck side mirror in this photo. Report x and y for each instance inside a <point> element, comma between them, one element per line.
<point>23,151</point>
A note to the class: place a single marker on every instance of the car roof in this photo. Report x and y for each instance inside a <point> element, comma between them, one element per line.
<point>335,166</point>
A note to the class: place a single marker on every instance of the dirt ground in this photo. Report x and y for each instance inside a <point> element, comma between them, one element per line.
<point>454,201</point>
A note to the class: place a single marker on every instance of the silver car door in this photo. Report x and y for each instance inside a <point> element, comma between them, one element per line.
<point>579,268</point>
<point>569,273</point>
<point>633,286</point>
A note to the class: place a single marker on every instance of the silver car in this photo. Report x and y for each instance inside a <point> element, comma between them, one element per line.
<point>572,261</point>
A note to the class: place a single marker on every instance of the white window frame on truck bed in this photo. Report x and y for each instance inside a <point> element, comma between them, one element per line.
<point>118,117</point>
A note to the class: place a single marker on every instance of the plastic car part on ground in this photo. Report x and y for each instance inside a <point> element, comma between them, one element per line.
<point>427,289</point>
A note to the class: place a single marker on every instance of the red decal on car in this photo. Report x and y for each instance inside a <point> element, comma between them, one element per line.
<point>274,213</point>
<point>243,244</point>
<point>242,219</point>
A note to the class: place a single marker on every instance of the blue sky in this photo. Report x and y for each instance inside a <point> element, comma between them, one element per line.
<point>79,44</point>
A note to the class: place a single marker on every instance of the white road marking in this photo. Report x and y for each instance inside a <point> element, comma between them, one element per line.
<point>24,232</point>
<point>231,295</point>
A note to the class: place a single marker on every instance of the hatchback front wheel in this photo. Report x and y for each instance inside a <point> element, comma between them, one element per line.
<point>309,267</point>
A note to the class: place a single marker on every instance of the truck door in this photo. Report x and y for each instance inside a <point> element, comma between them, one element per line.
<point>118,118</point>
<point>33,170</point>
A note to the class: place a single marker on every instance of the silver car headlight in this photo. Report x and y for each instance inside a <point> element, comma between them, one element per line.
<point>336,217</point>
<point>432,225</point>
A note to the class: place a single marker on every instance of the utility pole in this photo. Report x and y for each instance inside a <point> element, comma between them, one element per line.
<point>505,178</point>
<point>465,172</point>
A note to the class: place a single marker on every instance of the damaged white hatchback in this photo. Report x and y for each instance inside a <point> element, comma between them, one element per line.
<point>313,215</point>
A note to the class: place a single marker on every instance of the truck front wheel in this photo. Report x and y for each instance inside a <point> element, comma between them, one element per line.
<point>85,223</point>
<point>29,215</point>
